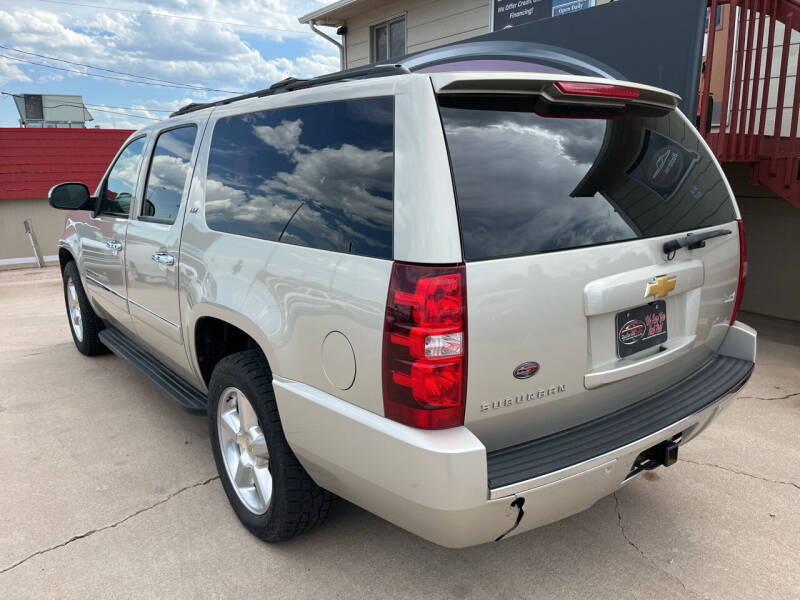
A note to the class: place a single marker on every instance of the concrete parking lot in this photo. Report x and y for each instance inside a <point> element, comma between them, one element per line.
<point>109,490</point>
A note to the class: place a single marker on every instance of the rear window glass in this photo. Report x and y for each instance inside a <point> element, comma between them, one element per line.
<point>319,175</point>
<point>528,182</point>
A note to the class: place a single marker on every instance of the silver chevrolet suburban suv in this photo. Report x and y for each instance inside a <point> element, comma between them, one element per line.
<point>472,303</point>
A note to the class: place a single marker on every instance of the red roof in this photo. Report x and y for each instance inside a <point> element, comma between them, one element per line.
<point>32,160</point>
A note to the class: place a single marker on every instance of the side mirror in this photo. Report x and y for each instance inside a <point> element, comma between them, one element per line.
<point>70,196</point>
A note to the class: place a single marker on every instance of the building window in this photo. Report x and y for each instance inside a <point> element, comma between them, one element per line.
<point>388,39</point>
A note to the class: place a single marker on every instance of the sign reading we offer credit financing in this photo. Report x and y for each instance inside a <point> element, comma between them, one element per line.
<point>509,13</point>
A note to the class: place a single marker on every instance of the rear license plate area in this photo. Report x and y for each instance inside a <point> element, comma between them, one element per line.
<point>640,328</point>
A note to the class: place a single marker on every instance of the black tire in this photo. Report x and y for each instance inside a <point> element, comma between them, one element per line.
<point>297,503</point>
<point>89,342</point>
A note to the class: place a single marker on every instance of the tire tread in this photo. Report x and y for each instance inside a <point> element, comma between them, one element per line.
<point>298,504</point>
<point>92,324</point>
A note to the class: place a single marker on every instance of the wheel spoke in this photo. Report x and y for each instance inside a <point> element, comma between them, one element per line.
<point>244,450</point>
<point>230,418</point>
<point>258,447</point>
<point>244,475</point>
<point>263,482</point>
<point>247,415</point>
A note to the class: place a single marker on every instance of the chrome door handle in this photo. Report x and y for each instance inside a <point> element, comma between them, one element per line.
<point>163,258</point>
<point>114,244</point>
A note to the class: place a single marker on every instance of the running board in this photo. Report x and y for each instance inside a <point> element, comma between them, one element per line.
<point>174,386</point>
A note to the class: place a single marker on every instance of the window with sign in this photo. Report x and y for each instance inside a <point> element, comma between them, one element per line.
<point>388,39</point>
<point>559,179</point>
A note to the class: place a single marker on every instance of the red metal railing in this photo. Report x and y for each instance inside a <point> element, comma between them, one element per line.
<point>753,124</point>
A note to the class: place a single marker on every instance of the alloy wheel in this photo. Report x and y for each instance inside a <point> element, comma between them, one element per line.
<point>74,310</point>
<point>244,450</point>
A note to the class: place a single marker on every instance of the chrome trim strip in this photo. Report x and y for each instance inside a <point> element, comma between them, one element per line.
<point>155,314</point>
<point>91,279</point>
<point>640,444</point>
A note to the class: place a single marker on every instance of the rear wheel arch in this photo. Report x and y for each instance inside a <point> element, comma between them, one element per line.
<point>214,338</point>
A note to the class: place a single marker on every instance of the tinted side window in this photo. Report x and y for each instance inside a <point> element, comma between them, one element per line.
<point>319,175</point>
<point>121,182</point>
<point>167,177</point>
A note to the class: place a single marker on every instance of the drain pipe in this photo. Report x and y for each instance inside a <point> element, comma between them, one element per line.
<point>313,26</point>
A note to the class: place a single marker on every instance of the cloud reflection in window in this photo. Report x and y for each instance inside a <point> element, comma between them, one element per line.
<point>318,175</point>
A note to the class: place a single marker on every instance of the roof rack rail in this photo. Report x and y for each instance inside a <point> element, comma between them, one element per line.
<point>291,84</point>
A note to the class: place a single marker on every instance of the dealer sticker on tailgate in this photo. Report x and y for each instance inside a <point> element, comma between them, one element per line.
<point>641,327</point>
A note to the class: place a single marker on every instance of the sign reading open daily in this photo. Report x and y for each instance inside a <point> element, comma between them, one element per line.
<point>509,13</point>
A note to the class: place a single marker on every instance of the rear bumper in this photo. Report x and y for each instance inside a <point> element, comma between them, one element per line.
<point>436,483</point>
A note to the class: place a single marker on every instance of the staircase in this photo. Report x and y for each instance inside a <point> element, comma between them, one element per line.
<point>759,115</point>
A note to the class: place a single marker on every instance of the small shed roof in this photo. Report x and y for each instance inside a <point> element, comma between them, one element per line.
<point>32,160</point>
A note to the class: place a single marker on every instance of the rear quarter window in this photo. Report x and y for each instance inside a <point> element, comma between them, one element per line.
<point>531,181</point>
<point>319,175</point>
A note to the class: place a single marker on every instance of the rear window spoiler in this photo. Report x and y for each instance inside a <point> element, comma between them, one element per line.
<point>545,85</point>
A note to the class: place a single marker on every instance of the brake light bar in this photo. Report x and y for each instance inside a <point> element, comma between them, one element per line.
<point>424,346</point>
<point>604,90</point>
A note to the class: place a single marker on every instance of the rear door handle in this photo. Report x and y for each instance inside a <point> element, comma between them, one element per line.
<point>163,258</point>
<point>114,245</point>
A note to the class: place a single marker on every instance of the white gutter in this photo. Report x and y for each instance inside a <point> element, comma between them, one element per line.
<point>324,11</point>
<point>313,26</point>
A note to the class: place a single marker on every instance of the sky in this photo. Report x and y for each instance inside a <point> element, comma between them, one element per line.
<point>195,51</point>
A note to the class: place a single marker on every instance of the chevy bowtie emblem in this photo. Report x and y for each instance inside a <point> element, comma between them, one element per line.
<point>660,286</point>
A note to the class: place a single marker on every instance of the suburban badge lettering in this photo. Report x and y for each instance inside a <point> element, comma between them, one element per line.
<point>523,398</point>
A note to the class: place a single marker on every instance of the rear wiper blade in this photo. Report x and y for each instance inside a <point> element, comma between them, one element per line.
<point>693,240</point>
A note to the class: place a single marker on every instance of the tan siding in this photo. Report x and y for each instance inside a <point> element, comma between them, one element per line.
<point>48,223</point>
<point>358,63</point>
<point>429,23</point>
<point>448,39</point>
<point>436,11</point>
<point>357,53</point>
<point>445,27</point>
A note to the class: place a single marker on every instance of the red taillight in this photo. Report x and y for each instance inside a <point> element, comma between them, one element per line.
<point>425,346</point>
<point>606,90</point>
<point>742,272</point>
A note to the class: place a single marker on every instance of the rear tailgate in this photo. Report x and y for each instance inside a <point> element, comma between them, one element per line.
<point>565,203</point>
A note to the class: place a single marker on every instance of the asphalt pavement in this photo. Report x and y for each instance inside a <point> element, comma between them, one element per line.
<point>109,490</point>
